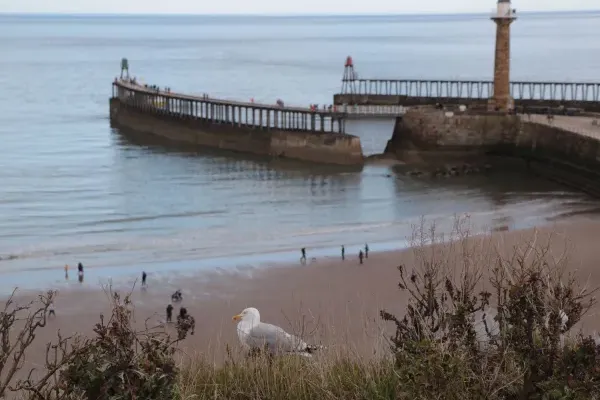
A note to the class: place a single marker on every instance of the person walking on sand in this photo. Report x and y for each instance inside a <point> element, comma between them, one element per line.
<point>144,278</point>
<point>66,271</point>
<point>185,323</point>
<point>169,313</point>
<point>343,253</point>
<point>303,258</point>
<point>80,271</point>
<point>360,256</point>
<point>51,311</point>
<point>366,250</point>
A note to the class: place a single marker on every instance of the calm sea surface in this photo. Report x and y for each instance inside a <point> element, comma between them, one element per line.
<point>72,189</point>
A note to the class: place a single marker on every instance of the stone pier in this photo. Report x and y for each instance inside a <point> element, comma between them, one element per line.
<point>270,130</point>
<point>561,148</point>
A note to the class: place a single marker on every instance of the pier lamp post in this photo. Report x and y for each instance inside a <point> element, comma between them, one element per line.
<point>503,17</point>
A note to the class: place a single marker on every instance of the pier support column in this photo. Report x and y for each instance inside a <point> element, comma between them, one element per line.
<point>504,17</point>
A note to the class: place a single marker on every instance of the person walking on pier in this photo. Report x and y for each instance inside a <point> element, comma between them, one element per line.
<point>366,250</point>
<point>360,256</point>
<point>343,253</point>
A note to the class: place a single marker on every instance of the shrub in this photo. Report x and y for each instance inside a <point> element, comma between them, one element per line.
<point>520,352</point>
<point>119,362</point>
<point>18,327</point>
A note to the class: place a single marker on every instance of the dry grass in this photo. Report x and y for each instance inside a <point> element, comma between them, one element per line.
<point>290,378</point>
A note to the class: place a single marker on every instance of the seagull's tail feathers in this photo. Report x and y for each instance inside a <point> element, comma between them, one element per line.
<point>308,350</point>
<point>312,348</point>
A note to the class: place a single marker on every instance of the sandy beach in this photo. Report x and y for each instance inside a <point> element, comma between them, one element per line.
<point>328,301</point>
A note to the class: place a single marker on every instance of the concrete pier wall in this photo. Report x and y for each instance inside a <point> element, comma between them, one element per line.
<point>319,147</point>
<point>546,142</point>
<point>382,99</point>
<point>428,129</point>
<point>557,151</point>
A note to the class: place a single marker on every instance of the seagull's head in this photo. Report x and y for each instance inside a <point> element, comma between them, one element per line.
<point>249,314</point>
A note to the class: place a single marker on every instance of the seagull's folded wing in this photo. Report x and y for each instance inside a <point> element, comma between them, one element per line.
<point>275,338</point>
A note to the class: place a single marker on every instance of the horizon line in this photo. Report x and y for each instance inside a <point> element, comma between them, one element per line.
<point>378,14</point>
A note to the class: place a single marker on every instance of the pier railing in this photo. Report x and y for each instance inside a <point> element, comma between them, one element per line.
<point>467,89</point>
<point>372,111</point>
<point>216,111</point>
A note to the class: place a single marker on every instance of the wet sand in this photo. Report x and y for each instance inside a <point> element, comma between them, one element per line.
<point>336,302</point>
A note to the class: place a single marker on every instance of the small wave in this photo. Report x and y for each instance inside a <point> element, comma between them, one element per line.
<point>151,217</point>
<point>344,228</point>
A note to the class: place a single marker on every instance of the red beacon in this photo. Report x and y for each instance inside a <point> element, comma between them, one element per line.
<point>349,62</point>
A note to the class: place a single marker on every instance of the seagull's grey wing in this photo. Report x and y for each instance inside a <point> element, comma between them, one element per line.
<point>275,338</point>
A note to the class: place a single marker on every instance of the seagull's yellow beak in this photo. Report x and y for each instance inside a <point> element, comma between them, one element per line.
<point>236,317</point>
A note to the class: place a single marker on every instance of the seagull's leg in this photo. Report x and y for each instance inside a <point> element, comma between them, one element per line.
<point>270,357</point>
<point>253,352</point>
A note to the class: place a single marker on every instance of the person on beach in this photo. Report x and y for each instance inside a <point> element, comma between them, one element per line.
<point>169,313</point>
<point>343,253</point>
<point>66,271</point>
<point>366,250</point>
<point>303,258</point>
<point>360,256</point>
<point>51,311</point>
<point>185,323</point>
<point>177,296</point>
<point>144,278</point>
<point>80,271</point>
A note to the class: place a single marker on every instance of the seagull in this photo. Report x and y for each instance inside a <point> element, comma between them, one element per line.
<point>255,334</point>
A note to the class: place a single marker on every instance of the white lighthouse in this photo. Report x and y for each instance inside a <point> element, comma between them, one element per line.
<point>504,10</point>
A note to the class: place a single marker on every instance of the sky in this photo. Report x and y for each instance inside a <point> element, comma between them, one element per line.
<point>283,7</point>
